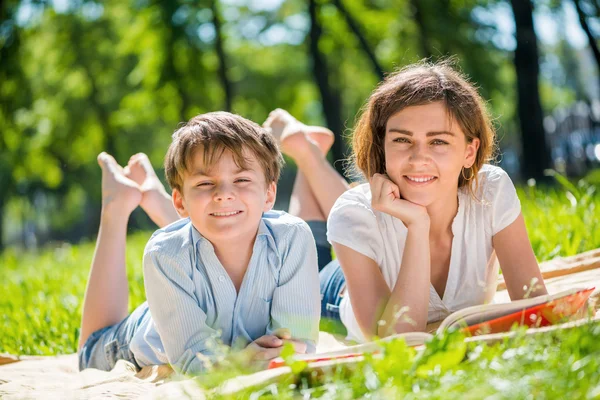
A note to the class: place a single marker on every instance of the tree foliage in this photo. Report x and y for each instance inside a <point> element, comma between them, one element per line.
<point>81,77</point>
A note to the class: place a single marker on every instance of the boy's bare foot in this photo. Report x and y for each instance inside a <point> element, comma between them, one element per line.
<point>156,202</point>
<point>294,136</point>
<point>118,191</point>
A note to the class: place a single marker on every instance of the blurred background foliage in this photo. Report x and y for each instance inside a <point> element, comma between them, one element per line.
<point>79,77</point>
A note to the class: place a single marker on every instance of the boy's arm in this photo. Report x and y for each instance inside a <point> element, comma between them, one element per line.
<point>297,301</point>
<point>178,318</point>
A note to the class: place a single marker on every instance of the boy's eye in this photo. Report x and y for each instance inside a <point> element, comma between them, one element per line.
<point>438,142</point>
<point>242,180</point>
<point>205,184</point>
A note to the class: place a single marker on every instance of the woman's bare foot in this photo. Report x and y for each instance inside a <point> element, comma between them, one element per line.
<point>118,191</point>
<point>156,202</point>
<point>294,136</point>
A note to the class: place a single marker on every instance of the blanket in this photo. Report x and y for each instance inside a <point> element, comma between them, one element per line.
<point>58,376</point>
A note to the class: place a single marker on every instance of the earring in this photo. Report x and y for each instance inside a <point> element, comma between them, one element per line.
<point>462,171</point>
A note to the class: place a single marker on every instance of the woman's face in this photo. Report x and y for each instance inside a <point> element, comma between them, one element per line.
<point>425,151</point>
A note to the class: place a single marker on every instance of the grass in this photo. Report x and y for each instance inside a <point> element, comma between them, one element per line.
<point>559,365</point>
<point>42,296</point>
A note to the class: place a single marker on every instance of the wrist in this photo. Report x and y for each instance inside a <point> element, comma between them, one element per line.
<point>420,224</point>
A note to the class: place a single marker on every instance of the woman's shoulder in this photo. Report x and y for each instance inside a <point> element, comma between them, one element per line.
<point>491,181</point>
<point>491,172</point>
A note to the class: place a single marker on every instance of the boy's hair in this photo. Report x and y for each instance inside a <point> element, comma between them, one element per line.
<point>415,85</point>
<point>214,133</point>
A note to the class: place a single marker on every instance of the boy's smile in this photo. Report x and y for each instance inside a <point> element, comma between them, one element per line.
<point>225,201</point>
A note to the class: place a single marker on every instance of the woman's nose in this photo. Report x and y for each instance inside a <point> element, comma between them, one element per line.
<point>419,154</point>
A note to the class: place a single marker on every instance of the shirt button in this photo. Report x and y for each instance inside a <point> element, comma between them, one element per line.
<point>222,278</point>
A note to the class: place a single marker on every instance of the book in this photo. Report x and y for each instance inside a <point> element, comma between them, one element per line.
<point>477,320</point>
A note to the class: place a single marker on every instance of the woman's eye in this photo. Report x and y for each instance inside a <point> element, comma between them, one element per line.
<point>401,140</point>
<point>438,142</point>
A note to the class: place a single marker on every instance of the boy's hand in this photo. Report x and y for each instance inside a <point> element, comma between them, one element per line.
<point>268,347</point>
<point>385,197</point>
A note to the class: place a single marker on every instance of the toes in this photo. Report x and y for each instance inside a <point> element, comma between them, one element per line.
<point>268,121</point>
<point>107,161</point>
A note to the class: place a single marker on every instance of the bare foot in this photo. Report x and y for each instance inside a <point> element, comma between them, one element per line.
<point>118,191</point>
<point>294,136</point>
<point>156,202</point>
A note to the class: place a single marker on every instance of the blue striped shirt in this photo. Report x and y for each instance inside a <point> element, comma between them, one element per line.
<point>192,300</point>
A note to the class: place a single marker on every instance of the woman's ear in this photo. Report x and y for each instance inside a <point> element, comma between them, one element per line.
<point>179,203</point>
<point>271,195</point>
<point>471,153</point>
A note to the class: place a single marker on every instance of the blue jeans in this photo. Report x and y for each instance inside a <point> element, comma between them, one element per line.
<point>332,283</point>
<point>331,277</point>
<point>104,347</point>
<point>319,231</point>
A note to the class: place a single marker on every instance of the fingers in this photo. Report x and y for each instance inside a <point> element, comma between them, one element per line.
<point>269,341</point>
<point>267,354</point>
<point>299,346</point>
<point>381,189</point>
<point>263,354</point>
<point>283,333</point>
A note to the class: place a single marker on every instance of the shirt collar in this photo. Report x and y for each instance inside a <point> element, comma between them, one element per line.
<point>263,230</point>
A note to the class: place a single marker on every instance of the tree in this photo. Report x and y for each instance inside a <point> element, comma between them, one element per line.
<point>418,12</point>
<point>588,32</point>
<point>353,24</point>
<point>535,157</point>
<point>227,89</point>
<point>330,98</point>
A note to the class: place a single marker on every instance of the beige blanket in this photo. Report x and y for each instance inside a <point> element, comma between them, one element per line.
<point>58,377</point>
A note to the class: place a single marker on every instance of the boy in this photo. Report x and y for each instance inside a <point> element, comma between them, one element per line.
<point>231,269</point>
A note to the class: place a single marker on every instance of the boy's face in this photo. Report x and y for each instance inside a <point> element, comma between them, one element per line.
<point>225,202</point>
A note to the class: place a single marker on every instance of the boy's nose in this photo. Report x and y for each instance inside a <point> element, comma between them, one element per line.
<point>224,193</point>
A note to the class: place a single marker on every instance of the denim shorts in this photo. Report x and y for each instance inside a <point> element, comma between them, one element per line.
<point>105,346</point>
<point>319,231</point>
<point>332,282</point>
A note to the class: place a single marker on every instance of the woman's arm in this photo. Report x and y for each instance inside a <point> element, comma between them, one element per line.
<point>371,298</point>
<point>517,261</point>
<point>372,301</point>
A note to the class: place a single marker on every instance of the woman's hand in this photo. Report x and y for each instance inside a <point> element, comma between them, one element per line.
<point>386,198</point>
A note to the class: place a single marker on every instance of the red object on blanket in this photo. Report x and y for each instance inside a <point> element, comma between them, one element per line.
<point>545,314</point>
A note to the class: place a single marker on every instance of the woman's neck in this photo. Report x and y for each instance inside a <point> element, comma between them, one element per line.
<point>441,214</point>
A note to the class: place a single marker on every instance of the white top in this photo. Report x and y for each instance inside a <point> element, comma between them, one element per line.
<point>473,273</point>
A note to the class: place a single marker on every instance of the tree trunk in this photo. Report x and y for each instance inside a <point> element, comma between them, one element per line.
<point>535,157</point>
<point>225,82</point>
<point>169,71</point>
<point>330,97</point>
<point>588,33</point>
<point>419,20</point>
<point>361,38</point>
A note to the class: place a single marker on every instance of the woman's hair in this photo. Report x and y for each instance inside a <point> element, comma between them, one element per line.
<point>415,85</point>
